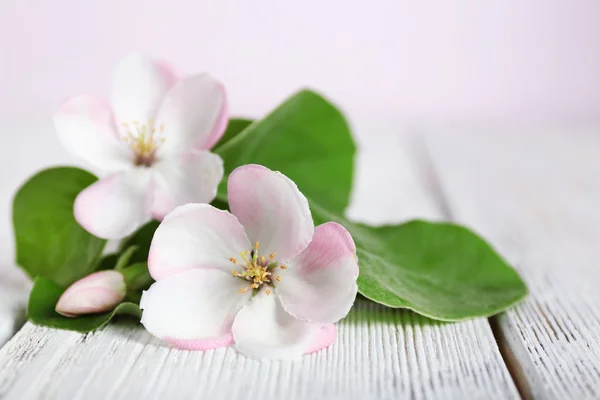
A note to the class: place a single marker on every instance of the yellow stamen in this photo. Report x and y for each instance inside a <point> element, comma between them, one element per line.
<point>243,254</point>
<point>256,269</point>
<point>283,267</point>
<point>143,140</point>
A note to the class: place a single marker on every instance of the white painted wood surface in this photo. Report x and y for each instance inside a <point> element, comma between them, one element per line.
<point>537,198</point>
<point>379,354</point>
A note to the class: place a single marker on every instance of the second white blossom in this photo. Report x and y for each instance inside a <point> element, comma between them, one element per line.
<point>262,277</point>
<point>153,140</point>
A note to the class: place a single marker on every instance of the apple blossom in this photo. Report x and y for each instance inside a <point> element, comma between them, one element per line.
<point>99,292</point>
<point>153,140</point>
<point>262,277</point>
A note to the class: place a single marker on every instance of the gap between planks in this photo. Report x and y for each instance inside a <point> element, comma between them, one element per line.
<point>432,178</point>
<point>535,196</point>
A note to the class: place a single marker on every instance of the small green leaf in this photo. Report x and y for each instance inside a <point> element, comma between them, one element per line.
<point>125,257</point>
<point>137,278</point>
<point>49,242</point>
<point>220,202</point>
<point>307,139</point>
<point>141,240</point>
<point>43,299</point>
<point>440,270</point>
<point>108,262</point>
<point>234,127</point>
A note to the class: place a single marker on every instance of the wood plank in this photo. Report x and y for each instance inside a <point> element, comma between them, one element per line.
<point>537,198</point>
<point>380,353</point>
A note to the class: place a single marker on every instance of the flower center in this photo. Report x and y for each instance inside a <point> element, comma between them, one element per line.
<point>256,269</point>
<point>143,139</point>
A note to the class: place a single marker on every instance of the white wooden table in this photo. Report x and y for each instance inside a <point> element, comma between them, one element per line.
<point>535,196</point>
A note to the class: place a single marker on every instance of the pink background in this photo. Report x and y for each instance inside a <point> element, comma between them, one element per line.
<point>403,59</point>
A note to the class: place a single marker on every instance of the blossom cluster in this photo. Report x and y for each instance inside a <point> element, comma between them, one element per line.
<point>261,277</point>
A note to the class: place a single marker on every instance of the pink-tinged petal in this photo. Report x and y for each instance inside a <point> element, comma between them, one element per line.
<point>219,127</point>
<point>96,293</point>
<point>272,210</point>
<point>115,206</point>
<point>191,179</point>
<point>171,74</point>
<point>323,338</point>
<point>192,115</point>
<point>196,236</point>
<point>194,306</point>
<point>208,344</point>
<point>139,85</point>
<point>262,329</point>
<point>86,128</point>
<point>319,284</point>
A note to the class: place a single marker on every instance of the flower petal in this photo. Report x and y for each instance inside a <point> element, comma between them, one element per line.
<point>320,283</point>
<point>171,74</point>
<point>193,307</point>
<point>262,329</point>
<point>201,344</point>
<point>272,210</point>
<point>219,127</point>
<point>192,115</point>
<point>86,128</point>
<point>115,206</point>
<point>191,179</point>
<point>196,236</point>
<point>139,85</point>
<point>325,337</point>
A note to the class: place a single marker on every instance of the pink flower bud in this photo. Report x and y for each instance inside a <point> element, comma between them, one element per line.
<point>96,293</point>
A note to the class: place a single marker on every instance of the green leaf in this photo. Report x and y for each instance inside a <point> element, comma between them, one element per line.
<point>307,139</point>
<point>43,299</point>
<point>141,240</point>
<point>220,202</point>
<point>440,270</point>
<point>109,261</point>
<point>125,257</point>
<point>137,278</point>
<point>234,127</point>
<point>49,242</point>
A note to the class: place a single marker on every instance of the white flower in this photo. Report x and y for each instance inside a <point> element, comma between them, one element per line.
<point>154,142</point>
<point>262,276</point>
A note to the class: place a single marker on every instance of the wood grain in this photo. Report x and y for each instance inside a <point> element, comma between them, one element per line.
<point>380,353</point>
<point>537,198</point>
